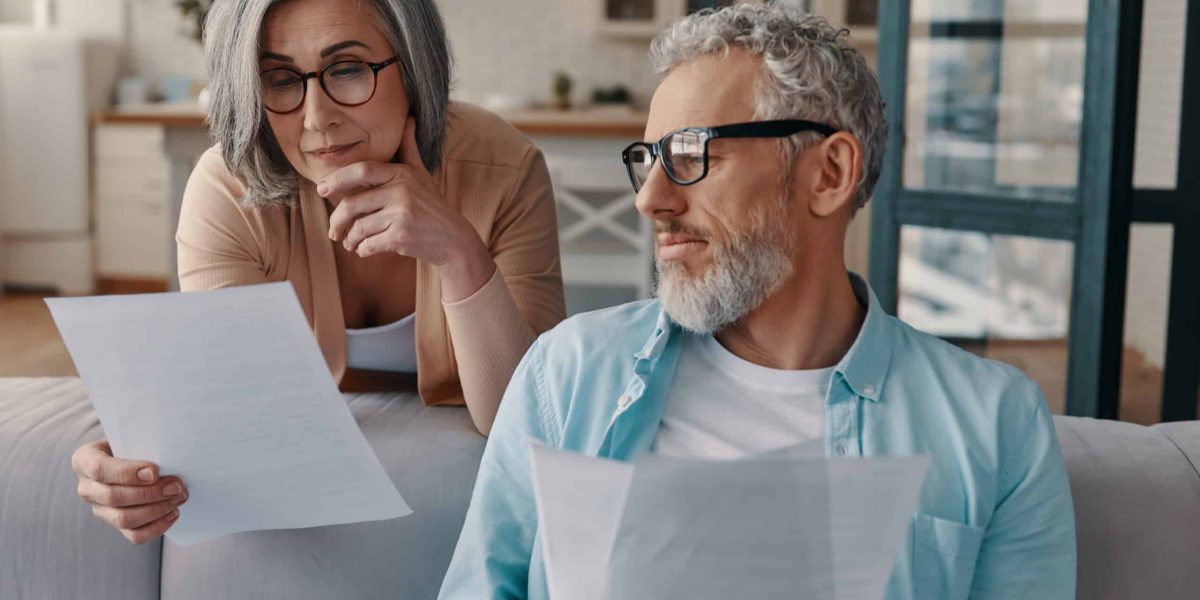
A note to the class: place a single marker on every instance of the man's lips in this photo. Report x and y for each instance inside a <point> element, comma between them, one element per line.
<point>674,246</point>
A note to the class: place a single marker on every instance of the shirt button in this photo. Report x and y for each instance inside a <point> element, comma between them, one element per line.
<point>869,390</point>
<point>623,401</point>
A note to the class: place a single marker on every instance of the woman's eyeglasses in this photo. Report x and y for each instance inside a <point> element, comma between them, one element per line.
<point>685,151</point>
<point>347,82</point>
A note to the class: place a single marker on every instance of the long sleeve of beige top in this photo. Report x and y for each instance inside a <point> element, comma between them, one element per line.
<point>467,350</point>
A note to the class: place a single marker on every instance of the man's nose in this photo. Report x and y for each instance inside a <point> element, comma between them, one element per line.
<point>659,197</point>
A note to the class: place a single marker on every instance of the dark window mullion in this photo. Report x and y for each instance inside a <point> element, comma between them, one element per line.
<point>994,214</point>
<point>1114,32</point>
<point>884,262</point>
<point>1181,373</point>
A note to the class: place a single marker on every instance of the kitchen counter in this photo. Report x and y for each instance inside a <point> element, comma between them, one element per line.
<point>602,121</point>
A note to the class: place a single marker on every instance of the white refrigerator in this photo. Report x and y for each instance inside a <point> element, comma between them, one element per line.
<point>51,80</point>
<point>44,217</point>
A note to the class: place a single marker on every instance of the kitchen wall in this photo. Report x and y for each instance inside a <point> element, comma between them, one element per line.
<point>16,11</point>
<point>492,44</point>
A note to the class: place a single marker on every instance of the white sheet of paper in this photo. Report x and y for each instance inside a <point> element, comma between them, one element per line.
<point>228,390</point>
<point>778,525</point>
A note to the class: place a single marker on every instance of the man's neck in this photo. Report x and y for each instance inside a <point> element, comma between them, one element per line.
<point>809,323</point>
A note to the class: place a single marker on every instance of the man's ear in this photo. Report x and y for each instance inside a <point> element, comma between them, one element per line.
<point>835,165</point>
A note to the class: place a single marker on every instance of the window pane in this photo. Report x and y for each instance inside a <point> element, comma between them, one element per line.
<point>1003,297</point>
<point>1146,302</point>
<point>995,97</point>
<point>1160,92</point>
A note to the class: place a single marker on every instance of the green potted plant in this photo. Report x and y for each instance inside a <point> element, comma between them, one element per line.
<point>562,90</point>
<point>195,10</point>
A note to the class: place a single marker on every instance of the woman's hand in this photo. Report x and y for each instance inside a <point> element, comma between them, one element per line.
<point>396,207</point>
<point>127,494</point>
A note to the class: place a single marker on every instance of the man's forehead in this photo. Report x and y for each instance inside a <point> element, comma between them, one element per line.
<point>705,92</point>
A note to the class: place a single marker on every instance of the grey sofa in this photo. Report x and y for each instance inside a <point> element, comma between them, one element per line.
<point>1136,490</point>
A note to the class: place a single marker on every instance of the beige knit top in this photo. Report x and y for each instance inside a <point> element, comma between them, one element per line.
<point>467,350</point>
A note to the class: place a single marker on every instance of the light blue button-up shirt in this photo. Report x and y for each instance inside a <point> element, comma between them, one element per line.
<point>995,517</point>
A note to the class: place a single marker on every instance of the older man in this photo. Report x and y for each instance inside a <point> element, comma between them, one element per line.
<point>765,136</point>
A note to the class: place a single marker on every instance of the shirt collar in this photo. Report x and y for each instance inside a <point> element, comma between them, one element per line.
<point>866,363</point>
<point>863,367</point>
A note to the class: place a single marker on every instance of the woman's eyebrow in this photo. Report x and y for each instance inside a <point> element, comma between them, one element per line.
<point>273,56</point>
<point>324,53</point>
<point>342,46</point>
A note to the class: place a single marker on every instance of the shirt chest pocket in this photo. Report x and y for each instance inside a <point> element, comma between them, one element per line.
<point>944,554</point>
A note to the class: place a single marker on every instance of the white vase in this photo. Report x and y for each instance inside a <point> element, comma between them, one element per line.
<point>203,99</point>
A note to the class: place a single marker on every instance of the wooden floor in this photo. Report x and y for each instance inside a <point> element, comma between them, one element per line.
<point>30,347</point>
<point>29,342</point>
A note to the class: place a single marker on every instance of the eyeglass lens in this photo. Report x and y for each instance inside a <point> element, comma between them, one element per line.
<point>683,151</point>
<point>347,82</point>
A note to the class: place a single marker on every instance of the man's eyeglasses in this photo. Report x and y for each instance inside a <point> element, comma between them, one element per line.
<point>347,82</point>
<point>685,151</point>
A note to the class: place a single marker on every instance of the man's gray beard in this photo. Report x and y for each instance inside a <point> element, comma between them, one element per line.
<point>743,274</point>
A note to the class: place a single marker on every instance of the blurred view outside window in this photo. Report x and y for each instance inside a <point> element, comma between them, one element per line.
<point>994,107</point>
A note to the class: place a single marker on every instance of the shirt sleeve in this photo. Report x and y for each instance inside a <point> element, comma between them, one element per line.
<point>1028,549</point>
<point>492,328</point>
<point>215,246</point>
<point>495,548</point>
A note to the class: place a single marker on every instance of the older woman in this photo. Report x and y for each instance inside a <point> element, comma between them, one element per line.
<point>419,235</point>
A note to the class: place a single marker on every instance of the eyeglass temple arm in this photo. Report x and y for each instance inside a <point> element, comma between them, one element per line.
<point>769,129</point>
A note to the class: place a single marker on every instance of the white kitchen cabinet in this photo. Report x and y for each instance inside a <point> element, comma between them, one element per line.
<point>132,202</point>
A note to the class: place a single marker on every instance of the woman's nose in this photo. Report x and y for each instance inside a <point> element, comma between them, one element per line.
<point>320,111</point>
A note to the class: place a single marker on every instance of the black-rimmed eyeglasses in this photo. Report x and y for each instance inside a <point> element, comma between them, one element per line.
<point>686,150</point>
<point>347,82</point>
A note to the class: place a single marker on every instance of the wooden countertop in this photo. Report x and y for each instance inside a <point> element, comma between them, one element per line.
<point>170,115</point>
<point>602,121</point>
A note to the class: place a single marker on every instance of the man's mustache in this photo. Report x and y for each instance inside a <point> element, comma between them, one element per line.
<point>676,228</point>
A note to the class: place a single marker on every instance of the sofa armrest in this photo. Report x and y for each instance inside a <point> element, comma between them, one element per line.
<point>1137,503</point>
<point>51,546</point>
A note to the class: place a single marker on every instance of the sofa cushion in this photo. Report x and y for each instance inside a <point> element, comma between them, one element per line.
<point>431,453</point>
<point>1137,509</point>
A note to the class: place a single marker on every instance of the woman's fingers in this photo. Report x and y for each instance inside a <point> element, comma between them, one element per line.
<point>354,178</point>
<point>121,496</point>
<point>350,209</point>
<point>153,530</point>
<point>95,461</point>
<point>365,227</point>
<point>138,516</point>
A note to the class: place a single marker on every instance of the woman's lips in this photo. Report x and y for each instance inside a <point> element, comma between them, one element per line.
<point>333,153</point>
<point>674,248</point>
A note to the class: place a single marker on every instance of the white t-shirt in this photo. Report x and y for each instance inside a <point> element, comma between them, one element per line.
<point>721,406</point>
<point>391,347</point>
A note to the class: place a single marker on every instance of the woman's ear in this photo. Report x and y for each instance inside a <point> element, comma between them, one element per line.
<point>836,165</point>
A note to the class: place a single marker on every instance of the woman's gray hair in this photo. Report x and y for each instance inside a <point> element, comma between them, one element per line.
<point>812,72</point>
<point>236,117</point>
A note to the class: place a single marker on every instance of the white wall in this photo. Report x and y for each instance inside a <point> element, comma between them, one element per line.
<point>510,47</point>
<point>16,11</point>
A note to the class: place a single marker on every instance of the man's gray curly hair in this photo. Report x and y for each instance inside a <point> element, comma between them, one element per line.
<point>810,72</point>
